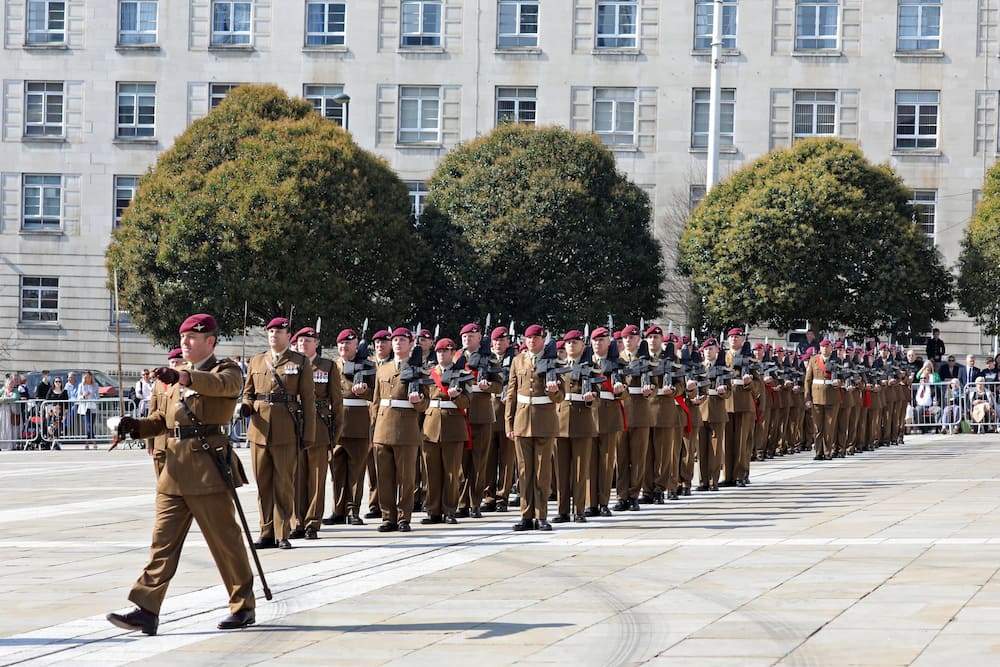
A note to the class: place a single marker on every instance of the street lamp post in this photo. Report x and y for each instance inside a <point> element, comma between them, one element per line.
<point>344,100</point>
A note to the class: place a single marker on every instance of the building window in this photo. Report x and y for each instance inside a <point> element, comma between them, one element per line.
<point>231,23</point>
<point>517,24</point>
<point>919,25</point>
<point>924,205</point>
<point>321,97</point>
<point>46,22</point>
<point>695,194</point>
<point>137,22</point>
<point>42,202</point>
<point>917,119</point>
<point>218,91</point>
<point>39,299</point>
<point>43,109</point>
<point>614,115</point>
<point>704,23</point>
<point>325,23</point>
<point>700,115</point>
<point>125,315</point>
<point>817,24</point>
<point>421,23</point>
<point>125,187</point>
<point>617,24</point>
<point>418,192</point>
<point>419,114</point>
<point>815,113</point>
<point>136,110</point>
<point>516,105</point>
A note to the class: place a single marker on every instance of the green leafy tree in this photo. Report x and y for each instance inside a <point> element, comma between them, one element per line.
<point>979,261</point>
<point>538,224</point>
<point>817,233</point>
<point>264,201</point>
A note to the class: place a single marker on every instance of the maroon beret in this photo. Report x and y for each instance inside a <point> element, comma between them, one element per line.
<point>402,331</point>
<point>735,331</point>
<point>839,344</point>
<point>758,346</point>
<point>534,330</point>
<point>573,334</point>
<point>630,330</point>
<point>599,332</point>
<point>523,347</point>
<point>685,340</point>
<point>444,344</point>
<point>654,330</point>
<point>201,323</point>
<point>560,344</point>
<point>382,334</point>
<point>673,338</point>
<point>472,327</point>
<point>618,335</point>
<point>278,323</point>
<point>306,332</point>
<point>779,350</point>
<point>346,334</point>
<point>423,333</point>
<point>294,338</point>
<point>499,332</point>
<point>825,342</point>
<point>175,353</point>
<point>708,342</point>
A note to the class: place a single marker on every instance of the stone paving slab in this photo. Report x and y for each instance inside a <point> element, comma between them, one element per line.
<point>886,558</point>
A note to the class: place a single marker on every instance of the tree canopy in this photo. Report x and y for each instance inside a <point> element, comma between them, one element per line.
<point>816,233</point>
<point>539,224</point>
<point>979,261</point>
<point>264,201</point>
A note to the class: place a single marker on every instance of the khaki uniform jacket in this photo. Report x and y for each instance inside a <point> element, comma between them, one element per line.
<point>271,423</point>
<point>396,426</point>
<point>741,398</point>
<point>329,401</point>
<point>668,413</point>
<point>610,418</point>
<point>820,394</point>
<point>357,418</point>
<point>481,402</point>
<point>448,424</point>
<point>157,398</point>
<point>713,410</point>
<point>187,469</point>
<point>530,420</point>
<point>640,411</point>
<point>577,419</point>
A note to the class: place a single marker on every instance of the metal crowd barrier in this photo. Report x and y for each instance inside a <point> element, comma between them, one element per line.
<point>37,424</point>
<point>947,407</point>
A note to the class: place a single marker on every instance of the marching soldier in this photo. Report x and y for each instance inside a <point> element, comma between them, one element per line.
<point>446,432</point>
<point>610,424</point>
<point>481,418</point>
<point>278,390</point>
<point>822,393</point>
<point>397,436</point>
<point>198,405</point>
<point>640,415</point>
<point>502,464</point>
<point>714,418</point>
<point>310,486</point>
<point>350,454</point>
<point>532,423</point>
<point>382,342</point>
<point>577,430</point>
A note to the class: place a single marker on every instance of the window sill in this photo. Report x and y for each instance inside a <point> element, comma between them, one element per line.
<point>731,150</point>
<point>819,54</point>
<point>42,232</point>
<point>133,48</point>
<point>324,48</point>
<point>231,48</point>
<point>39,325</point>
<point>436,145</point>
<point>47,46</point>
<point>916,152</point>
<point>28,139</point>
<point>917,55</point>
<point>608,51</point>
<point>622,148</point>
<point>517,51</point>
<point>410,50</point>
<point>707,53</point>
<point>137,141</point>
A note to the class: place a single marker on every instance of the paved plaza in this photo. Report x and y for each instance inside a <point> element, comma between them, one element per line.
<point>885,558</point>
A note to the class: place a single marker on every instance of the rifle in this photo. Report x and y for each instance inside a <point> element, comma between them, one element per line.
<point>480,361</point>
<point>362,352</point>
<point>357,371</point>
<point>584,373</point>
<point>413,373</point>
<point>456,376</point>
<point>548,363</point>
<point>720,374</point>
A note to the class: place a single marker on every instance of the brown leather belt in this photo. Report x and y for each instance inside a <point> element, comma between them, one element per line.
<point>181,432</point>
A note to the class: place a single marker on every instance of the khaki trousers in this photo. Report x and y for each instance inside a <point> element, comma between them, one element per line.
<point>443,463</point>
<point>573,472</point>
<point>274,470</point>
<point>347,474</point>
<point>824,419</point>
<point>310,487</point>
<point>711,444</point>
<point>534,468</point>
<point>631,458</point>
<point>501,466</point>
<point>602,468</point>
<point>474,465</point>
<point>397,478</point>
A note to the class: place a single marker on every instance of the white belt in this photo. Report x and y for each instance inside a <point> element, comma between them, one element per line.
<point>713,392</point>
<point>635,390</point>
<point>574,397</point>
<point>356,403</point>
<point>608,396</point>
<point>475,389</point>
<point>386,403</point>
<point>822,381</point>
<point>533,400</point>
<point>738,383</point>
<point>435,403</point>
